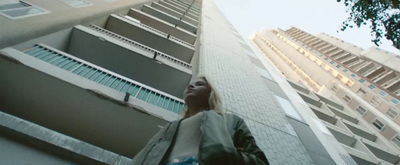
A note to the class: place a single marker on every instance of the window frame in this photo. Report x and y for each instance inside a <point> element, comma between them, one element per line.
<point>19,8</point>
<point>373,101</point>
<point>363,112</point>
<point>395,111</point>
<point>383,124</point>
<point>347,101</point>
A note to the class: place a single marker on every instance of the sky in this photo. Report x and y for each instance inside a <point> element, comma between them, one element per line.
<point>312,16</point>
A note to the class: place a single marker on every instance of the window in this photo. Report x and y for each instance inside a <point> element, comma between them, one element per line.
<point>375,101</point>
<point>371,86</point>
<point>335,88</point>
<point>395,101</point>
<point>361,80</point>
<point>338,66</point>
<point>76,3</point>
<point>332,62</point>
<point>345,70</point>
<point>14,9</point>
<point>392,113</point>
<point>353,75</point>
<point>382,93</point>
<point>361,110</point>
<point>339,76</point>
<point>396,140</point>
<point>347,98</point>
<point>378,124</point>
<point>361,92</point>
<point>326,58</point>
<point>350,83</point>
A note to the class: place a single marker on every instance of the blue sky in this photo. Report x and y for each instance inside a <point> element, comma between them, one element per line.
<point>312,16</point>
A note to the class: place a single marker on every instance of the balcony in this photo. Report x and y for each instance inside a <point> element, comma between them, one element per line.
<point>381,152</point>
<point>191,5</point>
<point>330,50</point>
<point>374,72</point>
<point>331,103</point>
<point>342,56</point>
<point>174,13</point>
<point>183,7</point>
<point>360,157</point>
<point>324,115</point>
<point>318,41</point>
<point>356,149</point>
<point>131,59</point>
<point>366,66</point>
<point>360,131</point>
<point>151,37</point>
<point>343,115</point>
<point>180,10</point>
<point>350,60</point>
<point>390,74</point>
<point>163,26</point>
<point>82,100</point>
<point>310,100</point>
<point>356,64</point>
<point>169,18</point>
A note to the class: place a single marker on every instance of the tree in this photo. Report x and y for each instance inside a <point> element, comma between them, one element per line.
<point>384,16</point>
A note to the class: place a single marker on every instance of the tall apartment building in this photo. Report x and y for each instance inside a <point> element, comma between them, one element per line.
<point>365,81</point>
<point>91,81</point>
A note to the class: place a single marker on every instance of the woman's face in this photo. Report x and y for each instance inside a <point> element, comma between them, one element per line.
<point>197,92</point>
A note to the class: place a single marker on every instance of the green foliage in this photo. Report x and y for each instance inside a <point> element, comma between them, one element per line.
<point>384,16</point>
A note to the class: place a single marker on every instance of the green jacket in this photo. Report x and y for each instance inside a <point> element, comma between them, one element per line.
<point>226,140</point>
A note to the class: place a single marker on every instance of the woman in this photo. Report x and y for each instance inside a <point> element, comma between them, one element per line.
<point>205,135</point>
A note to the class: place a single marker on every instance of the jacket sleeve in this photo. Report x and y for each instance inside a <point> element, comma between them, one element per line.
<point>229,142</point>
<point>247,149</point>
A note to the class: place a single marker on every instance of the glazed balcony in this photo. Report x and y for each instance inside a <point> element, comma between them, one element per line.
<point>163,26</point>
<point>169,18</point>
<point>82,100</point>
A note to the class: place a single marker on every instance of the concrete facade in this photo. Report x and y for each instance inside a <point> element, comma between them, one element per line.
<point>362,80</point>
<point>91,85</point>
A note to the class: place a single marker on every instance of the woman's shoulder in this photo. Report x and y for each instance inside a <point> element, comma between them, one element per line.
<point>232,116</point>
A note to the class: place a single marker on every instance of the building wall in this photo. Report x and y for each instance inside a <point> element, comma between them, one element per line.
<point>61,16</point>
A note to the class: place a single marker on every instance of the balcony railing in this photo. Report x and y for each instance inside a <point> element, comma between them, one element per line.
<point>143,47</point>
<point>106,78</point>
<point>158,31</point>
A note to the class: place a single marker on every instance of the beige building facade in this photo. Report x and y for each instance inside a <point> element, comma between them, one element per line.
<point>365,81</point>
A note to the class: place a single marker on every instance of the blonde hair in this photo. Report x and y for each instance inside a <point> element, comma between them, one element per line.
<point>214,99</point>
